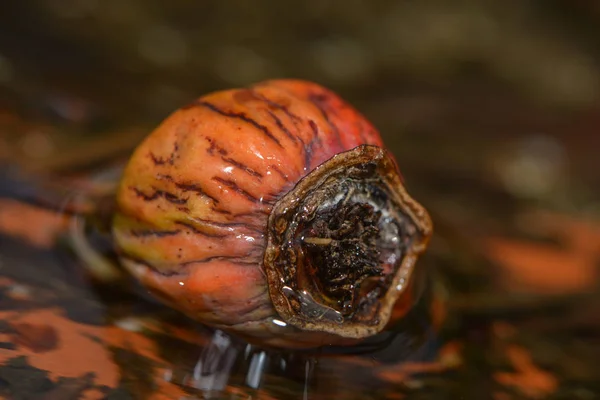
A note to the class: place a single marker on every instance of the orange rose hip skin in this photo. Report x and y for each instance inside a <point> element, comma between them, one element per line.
<point>272,212</point>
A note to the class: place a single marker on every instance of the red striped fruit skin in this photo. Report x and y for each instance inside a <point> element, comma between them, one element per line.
<point>195,198</point>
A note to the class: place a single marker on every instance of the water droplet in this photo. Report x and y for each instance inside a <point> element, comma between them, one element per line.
<point>213,369</point>
<point>256,369</point>
<point>308,372</point>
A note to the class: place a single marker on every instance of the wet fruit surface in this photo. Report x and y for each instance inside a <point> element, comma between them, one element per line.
<point>208,206</point>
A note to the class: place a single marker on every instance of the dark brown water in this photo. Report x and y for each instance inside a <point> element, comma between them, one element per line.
<point>491,110</point>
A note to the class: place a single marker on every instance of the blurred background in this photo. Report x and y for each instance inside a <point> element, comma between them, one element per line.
<point>504,93</point>
<point>491,108</point>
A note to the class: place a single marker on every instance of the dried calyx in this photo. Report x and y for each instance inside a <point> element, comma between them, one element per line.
<point>342,245</point>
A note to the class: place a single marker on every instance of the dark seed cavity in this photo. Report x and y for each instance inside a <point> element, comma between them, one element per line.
<point>342,243</point>
<point>341,248</point>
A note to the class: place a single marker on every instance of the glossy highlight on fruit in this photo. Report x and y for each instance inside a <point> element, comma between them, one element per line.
<point>273,212</point>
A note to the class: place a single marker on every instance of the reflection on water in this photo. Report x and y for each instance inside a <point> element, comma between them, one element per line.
<point>95,312</point>
<point>77,332</point>
<point>225,363</point>
<point>212,370</point>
